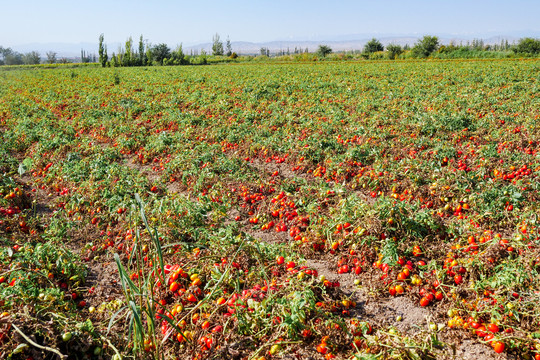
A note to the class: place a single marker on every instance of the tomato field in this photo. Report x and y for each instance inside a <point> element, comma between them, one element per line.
<point>358,210</point>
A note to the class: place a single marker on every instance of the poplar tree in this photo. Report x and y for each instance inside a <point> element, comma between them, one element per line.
<point>217,45</point>
<point>102,51</point>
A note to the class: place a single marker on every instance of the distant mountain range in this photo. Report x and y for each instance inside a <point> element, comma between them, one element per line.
<point>343,43</point>
<point>251,48</point>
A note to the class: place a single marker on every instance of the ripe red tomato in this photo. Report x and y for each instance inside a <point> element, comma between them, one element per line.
<point>174,286</point>
<point>493,328</point>
<point>180,338</point>
<point>481,331</point>
<point>424,301</point>
<point>498,346</point>
<point>322,348</point>
<point>217,329</point>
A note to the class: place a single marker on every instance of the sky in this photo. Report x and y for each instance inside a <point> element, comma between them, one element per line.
<point>194,22</point>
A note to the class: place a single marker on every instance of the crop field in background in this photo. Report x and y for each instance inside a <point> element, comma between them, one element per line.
<point>261,211</point>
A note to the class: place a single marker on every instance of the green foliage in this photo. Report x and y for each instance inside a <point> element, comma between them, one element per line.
<point>372,46</point>
<point>394,50</point>
<point>217,45</point>
<point>10,57</point>
<point>114,60</point>
<point>31,58</point>
<point>127,58</point>
<point>103,58</point>
<point>425,47</point>
<point>159,53</point>
<point>35,265</point>
<point>528,46</point>
<point>377,55</point>
<point>177,57</point>
<point>228,46</point>
<point>51,57</point>
<point>323,50</point>
<point>142,53</point>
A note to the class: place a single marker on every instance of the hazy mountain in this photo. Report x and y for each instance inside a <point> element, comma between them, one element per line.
<point>337,43</point>
<point>242,47</point>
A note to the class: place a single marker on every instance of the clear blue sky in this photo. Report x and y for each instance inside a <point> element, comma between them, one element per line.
<point>190,22</point>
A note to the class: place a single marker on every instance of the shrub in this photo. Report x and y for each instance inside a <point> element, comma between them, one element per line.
<point>323,50</point>
<point>425,47</point>
<point>372,46</point>
<point>527,46</point>
<point>394,51</point>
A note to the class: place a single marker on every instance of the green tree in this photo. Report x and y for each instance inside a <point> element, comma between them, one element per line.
<point>160,52</point>
<point>527,46</point>
<point>127,59</point>
<point>103,57</point>
<point>114,60</point>
<point>142,53</point>
<point>217,45</point>
<point>177,56</point>
<point>425,47</point>
<point>372,46</point>
<point>323,50</point>
<point>85,58</point>
<point>3,53</point>
<point>31,58</point>
<point>51,57</point>
<point>394,51</point>
<point>12,57</point>
<point>149,56</point>
<point>228,46</point>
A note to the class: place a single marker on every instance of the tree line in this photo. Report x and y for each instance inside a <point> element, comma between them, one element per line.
<point>10,57</point>
<point>146,54</point>
<point>430,46</point>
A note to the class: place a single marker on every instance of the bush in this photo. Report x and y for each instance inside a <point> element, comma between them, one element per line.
<point>527,46</point>
<point>372,46</point>
<point>425,47</point>
<point>394,51</point>
<point>378,55</point>
<point>323,50</point>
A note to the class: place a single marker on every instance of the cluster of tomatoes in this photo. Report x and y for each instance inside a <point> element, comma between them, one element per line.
<point>15,201</point>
